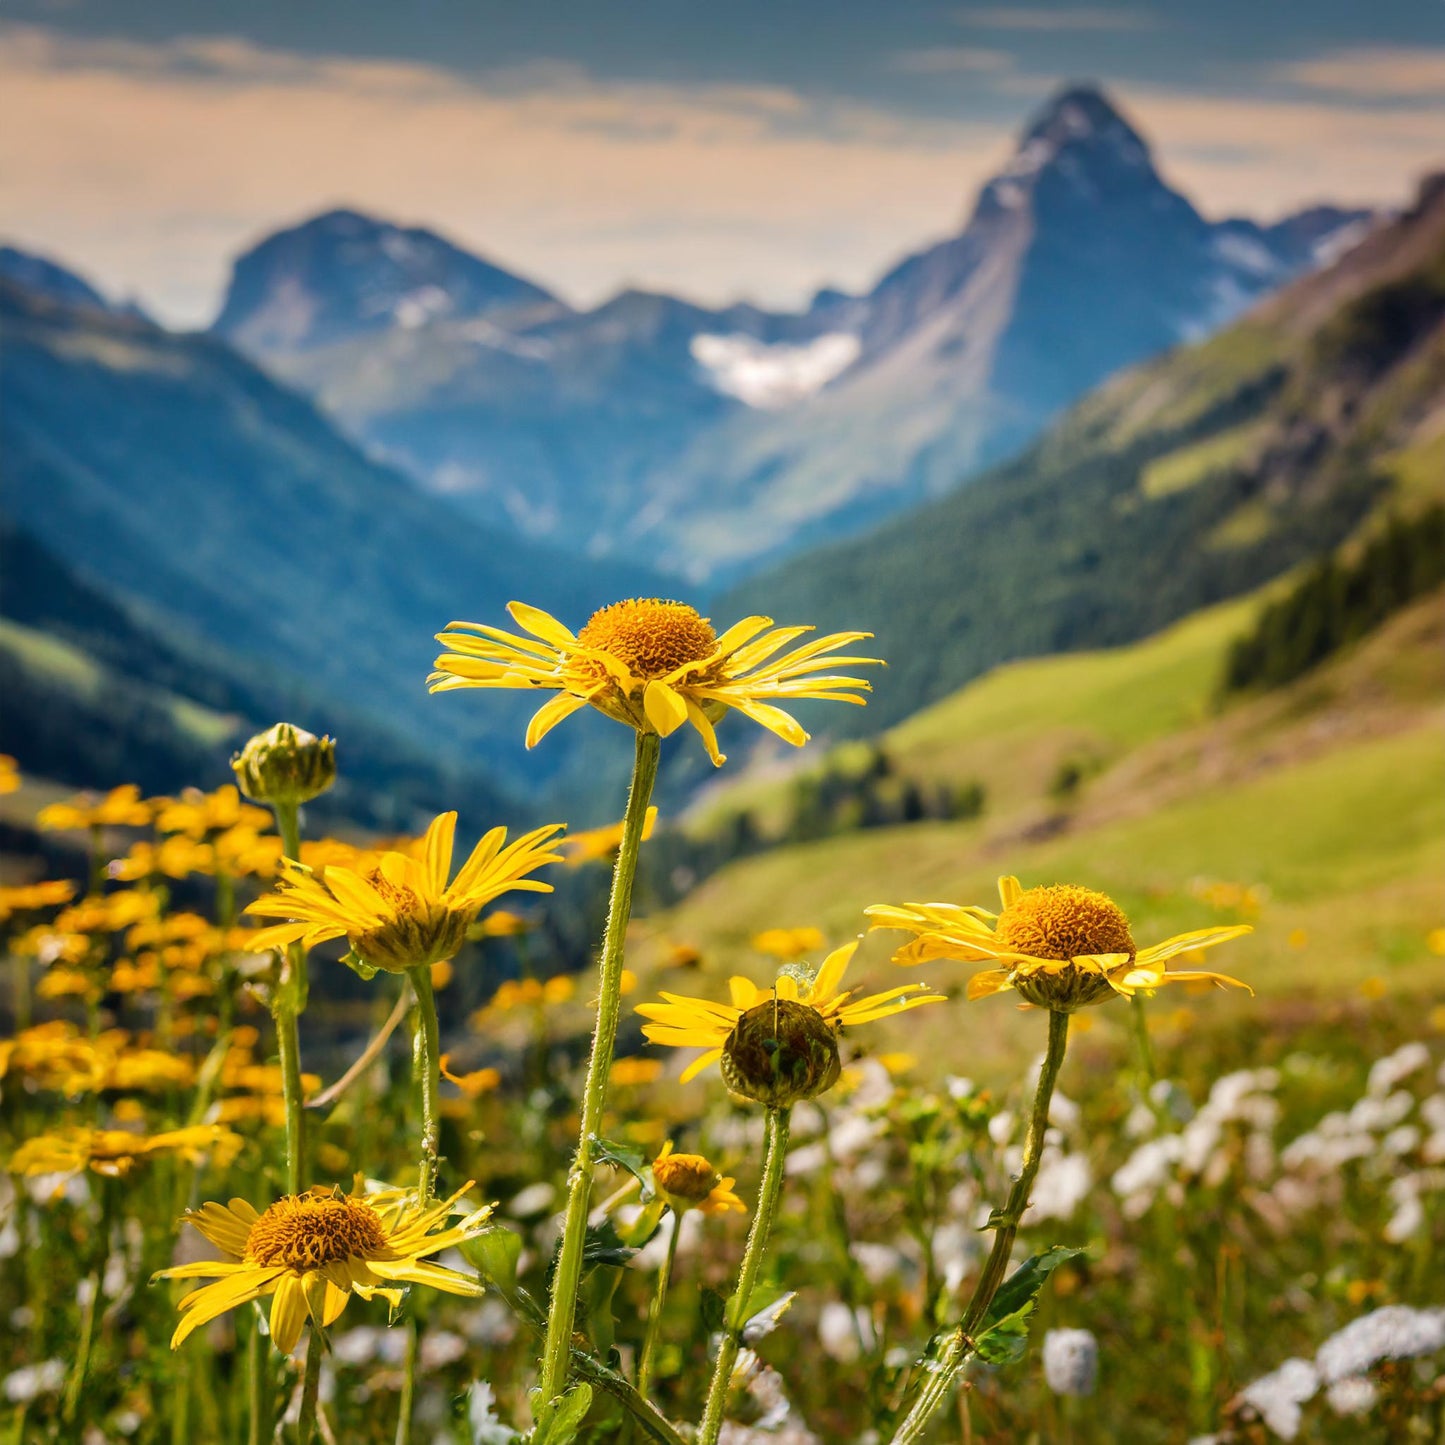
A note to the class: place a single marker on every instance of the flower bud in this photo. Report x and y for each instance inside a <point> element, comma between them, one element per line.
<point>684,1180</point>
<point>780,1052</point>
<point>285,764</point>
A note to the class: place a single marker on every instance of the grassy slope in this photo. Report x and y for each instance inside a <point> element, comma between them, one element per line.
<point>1330,794</point>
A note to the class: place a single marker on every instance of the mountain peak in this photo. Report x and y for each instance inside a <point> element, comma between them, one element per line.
<point>1080,113</point>
<point>343,273</point>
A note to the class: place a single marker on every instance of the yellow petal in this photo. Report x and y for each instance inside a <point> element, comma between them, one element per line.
<point>991,980</point>
<point>440,837</point>
<point>550,714</point>
<point>541,624</point>
<point>288,1313</point>
<point>830,973</point>
<point>699,1064</point>
<point>1010,890</point>
<point>665,710</point>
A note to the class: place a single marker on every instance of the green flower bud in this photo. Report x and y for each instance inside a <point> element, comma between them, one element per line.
<point>285,764</point>
<point>780,1052</point>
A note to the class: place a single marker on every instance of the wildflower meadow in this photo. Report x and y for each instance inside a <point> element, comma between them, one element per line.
<point>762,1197</point>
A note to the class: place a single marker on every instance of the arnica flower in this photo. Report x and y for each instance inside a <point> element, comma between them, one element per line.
<point>653,665</point>
<point>115,1152</point>
<point>197,814</point>
<point>400,912</point>
<point>1061,947</point>
<point>9,774</point>
<point>311,1252</point>
<point>688,1181</point>
<point>30,897</point>
<point>776,1045</point>
<point>122,807</point>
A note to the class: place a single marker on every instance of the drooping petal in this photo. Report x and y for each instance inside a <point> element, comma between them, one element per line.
<point>699,1064</point>
<point>288,1313</point>
<point>665,710</point>
<point>552,712</point>
<point>991,980</point>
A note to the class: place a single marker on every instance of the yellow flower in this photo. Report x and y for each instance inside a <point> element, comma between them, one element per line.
<point>688,1181</point>
<point>9,774</point>
<point>114,1152</point>
<point>795,1023</point>
<point>122,807</point>
<point>1060,947</point>
<point>197,814</point>
<point>598,845</point>
<point>402,912</point>
<point>311,1252</point>
<point>502,924</point>
<point>789,943</point>
<point>635,1071</point>
<point>28,897</point>
<point>653,665</point>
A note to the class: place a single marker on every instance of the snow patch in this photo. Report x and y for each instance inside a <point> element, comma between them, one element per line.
<point>771,377</point>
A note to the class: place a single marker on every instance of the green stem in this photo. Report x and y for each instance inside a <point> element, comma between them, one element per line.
<point>427,1061</point>
<point>258,1423</point>
<point>408,1386</point>
<point>82,1350</point>
<point>654,1315</point>
<point>310,1387</point>
<point>1140,1021</point>
<point>568,1274</point>
<point>289,1004</point>
<point>961,1345</point>
<point>769,1191</point>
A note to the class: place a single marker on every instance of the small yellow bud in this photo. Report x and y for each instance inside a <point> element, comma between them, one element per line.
<point>285,764</point>
<point>780,1052</point>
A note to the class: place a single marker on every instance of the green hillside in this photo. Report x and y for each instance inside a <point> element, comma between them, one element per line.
<point>1327,796</point>
<point>1188,481</point>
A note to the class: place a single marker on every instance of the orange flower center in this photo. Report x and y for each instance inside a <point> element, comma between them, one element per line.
<point>305,1231</point>
<point>688,1177</point>
<point>651,637</point>
<point>1064,921</point>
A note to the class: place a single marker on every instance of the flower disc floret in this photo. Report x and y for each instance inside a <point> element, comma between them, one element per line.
<point>649,636</point>
<point>308,1231</point>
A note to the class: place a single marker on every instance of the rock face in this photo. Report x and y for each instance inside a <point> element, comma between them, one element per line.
<point>707,441</point>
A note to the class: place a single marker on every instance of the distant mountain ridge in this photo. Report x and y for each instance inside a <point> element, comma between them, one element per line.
<point>342,274</point>
<point>45,277</point>
<point>229,518</point>
<point>704,441</point>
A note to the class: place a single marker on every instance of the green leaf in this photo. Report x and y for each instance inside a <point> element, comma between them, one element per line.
<point>624,1157</point>
<point>559,1420</point>
<point>1023,1285</point>
<point>603,1245</point>
<point>494,1254</point>
<point>1004,1338</point>
<point>1006,1342</point>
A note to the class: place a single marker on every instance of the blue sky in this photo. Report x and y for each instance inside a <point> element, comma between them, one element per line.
<point>756,149</point>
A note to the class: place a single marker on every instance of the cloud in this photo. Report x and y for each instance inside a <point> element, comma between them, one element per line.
<point>951,60</point>
<point>1381,73</point>
<point>150,165</point>
<point>1267,156</point>
<point>1060,17</point>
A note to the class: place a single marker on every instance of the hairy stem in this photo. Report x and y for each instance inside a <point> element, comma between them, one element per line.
<point>769,1191</point>
<point>428,1074</point>
<point>961,1345</point>
<point>568,1274</point>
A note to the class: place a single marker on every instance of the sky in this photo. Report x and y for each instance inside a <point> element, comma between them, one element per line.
<point>756,150</point>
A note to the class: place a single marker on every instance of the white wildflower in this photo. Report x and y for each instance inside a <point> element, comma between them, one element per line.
<point>1354,1395</point>
<point>1062,1184</point>
<point>1276,1398</point>
<point>1071,1361</point>
<point>1386,1073</point>
<point>32,1380</point>
<point>1396,1332</point>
